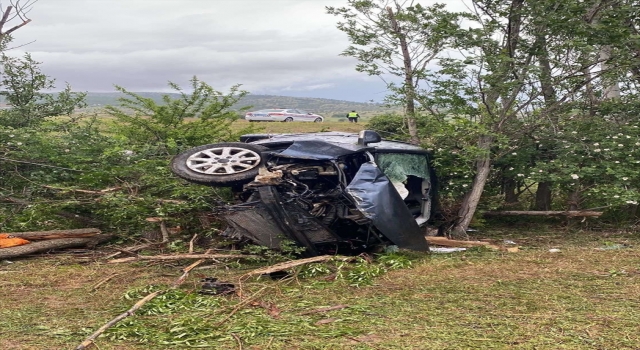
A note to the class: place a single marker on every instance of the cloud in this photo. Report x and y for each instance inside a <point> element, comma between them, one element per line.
<point>269,46</point>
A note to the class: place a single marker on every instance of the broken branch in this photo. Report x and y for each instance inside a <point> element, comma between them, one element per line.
<point>44,246</point>
<point>56,234</point>
<point>445,242</point>
<point>89,341</point>
<point>293,263</point>
<point>570,213</point>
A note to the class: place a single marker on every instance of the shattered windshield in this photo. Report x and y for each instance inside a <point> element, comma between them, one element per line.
<point>398,166</point>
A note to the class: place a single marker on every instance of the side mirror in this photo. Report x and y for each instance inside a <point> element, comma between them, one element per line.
<point>366,137</point>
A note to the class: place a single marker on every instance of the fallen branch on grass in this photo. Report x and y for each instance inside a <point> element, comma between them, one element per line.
<point>89,341</point>
<point>293,263</point>
<point>131,250</point>
<point>106,190</point>
<point>56,234</point>
<point>43,246</point>
<point>445,242</point>
<point>181,257</point>
<point>570,213</point>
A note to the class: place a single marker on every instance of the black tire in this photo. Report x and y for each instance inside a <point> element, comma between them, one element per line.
<point>317,120</point>
<point>213,166</point>
<point>288,119</point>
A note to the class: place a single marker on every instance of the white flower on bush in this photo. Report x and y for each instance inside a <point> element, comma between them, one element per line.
<point>597,150</point>
<point>511,168</point>
<point>616,196</point>
<point>606,149</point>
<point>620,145</point>
<point>632,202</point>
<point>514,154</point>
<point>520,175</point>
<point>596,144</point>
<point>637,143</point>
<point>575,176</point>
<point>625,178</point>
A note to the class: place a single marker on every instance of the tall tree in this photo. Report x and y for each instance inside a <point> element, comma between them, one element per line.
<point>16,9</point>
<point>398,38</point>
<point>525,70</point>
<point>24,87</point>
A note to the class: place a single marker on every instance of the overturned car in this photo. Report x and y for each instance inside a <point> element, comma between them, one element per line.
<point>330,192</point>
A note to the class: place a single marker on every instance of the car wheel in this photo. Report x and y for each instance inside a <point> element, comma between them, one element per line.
<point>289,119</point>
<point>317,120</point>
<point>219,164</point>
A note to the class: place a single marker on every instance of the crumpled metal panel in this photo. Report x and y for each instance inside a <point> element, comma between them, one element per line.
<point>320,150</point>
<point>379,201</point>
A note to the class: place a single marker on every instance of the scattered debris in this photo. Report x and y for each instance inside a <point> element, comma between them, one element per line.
<point>211,286</point>
<point>445,250</point>
<point>509,242</point>
<point>8,241</point>
<point>554,250</point>
<point>163,228</point>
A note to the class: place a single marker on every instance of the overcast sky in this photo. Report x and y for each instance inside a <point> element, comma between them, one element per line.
<point>275,47</point>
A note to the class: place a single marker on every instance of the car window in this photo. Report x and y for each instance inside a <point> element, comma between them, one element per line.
<point>398,166</point>
<point>268,111</point>
<point>301,111</point>
<point>294,111</point>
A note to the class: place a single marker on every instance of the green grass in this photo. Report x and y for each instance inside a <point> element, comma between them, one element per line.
<point>580,298</point>
<point>294,127</point>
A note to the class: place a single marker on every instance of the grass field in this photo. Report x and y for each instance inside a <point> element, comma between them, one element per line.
<point>580,298</point>
<point>293,127</point>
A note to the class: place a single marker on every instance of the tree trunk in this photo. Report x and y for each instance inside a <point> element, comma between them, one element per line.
<point>574,200</point>
<point>43,246</point>
<point>543,196</point>
<point>55,234</point>
<point>409,87</point>
<point>612,90</point>
<point>471,200</point>
<point>510,195</point>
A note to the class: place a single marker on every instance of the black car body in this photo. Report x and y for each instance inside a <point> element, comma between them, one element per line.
<point>329,192</point>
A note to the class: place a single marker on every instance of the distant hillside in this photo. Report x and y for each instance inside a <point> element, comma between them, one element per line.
<point>323,106</point>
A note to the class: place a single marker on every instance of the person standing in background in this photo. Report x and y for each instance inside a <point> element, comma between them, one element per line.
<point>353,116</point>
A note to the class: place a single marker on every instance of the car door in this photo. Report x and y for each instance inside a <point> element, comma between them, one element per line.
<point>304,116</point>
<point>293,113</point>
<point>411,176</point>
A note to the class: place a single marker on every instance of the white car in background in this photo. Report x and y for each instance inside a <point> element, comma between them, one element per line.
<point>283,115</point>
